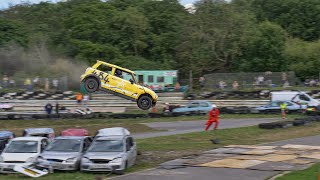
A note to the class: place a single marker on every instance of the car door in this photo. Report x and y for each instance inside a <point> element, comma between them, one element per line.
<point>103,72</point>
<point>131,150</point>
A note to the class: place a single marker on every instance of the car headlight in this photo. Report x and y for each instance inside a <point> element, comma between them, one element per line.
<point>31,159</point>
<point>85,160</point>
<point>71,160</point>
<point>117,160</point>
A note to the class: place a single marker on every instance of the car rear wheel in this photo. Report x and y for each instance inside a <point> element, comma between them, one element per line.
<point>91,84</point>
<point>144,102</point>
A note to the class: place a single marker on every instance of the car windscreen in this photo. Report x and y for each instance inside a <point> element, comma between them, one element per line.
<point>65,145</point>
<point>106,146</point>
<point>22,147</point>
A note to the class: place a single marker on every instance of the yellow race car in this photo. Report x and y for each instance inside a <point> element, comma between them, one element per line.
<point>118,81</point>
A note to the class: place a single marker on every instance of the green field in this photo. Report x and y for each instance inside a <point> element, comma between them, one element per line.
<point>312,173</point>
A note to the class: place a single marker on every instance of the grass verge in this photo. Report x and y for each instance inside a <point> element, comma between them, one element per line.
<point>312,173</point>
<point>160,149</point>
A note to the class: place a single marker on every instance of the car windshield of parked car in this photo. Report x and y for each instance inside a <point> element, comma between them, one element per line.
<point>65,145</point>
<point>22,147</point>
<point>106,146</point>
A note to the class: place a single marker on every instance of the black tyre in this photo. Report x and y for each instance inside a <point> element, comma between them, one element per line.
<point>91,84</point>
<point>144,102</point>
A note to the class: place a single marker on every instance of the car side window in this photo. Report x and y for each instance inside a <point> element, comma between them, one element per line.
<point>127,76</point>
<point>289,103</point>
<point>304,98</point>
<point>192,105</point>
<point>105,68</point>
<point>203,104</point>
<point>274,104</point>
<point>129,143</point>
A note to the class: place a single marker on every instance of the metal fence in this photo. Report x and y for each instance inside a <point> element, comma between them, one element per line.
<point>238,81</point>
<point>33,84</point>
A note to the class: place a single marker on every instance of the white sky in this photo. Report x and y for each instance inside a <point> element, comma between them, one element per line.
<point>5,3</point>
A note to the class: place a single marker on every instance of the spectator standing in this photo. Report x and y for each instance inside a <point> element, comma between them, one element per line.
<point>36,82</point>
<point>57,109</point>
<point>5,81</point>
<point>177,87</point>
<point>46,85</point>
<point>202,81</point>
<point>48,108</point>
<point>79,98</point>
<point>12,83</point>
<point>222,84</point>
<point>55,83</point>
<point>86,98</point>
<point>283,107</point>
<point>235,85</point>
<point>27,83</point>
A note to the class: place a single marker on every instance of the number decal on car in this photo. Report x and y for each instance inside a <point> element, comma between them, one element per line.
<point>101,76</point>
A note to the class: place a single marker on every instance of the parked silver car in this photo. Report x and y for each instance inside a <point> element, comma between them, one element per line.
<point>113,150</point>
<point>64,153</point>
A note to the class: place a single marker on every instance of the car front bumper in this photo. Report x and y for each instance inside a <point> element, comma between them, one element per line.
<point>59,165</point>
<point>9,167</point>
<point>101,167</point>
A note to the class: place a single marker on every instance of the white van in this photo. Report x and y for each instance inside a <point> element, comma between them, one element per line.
<point>295,96</point>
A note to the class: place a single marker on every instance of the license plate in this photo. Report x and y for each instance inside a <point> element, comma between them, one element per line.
<point>99,166</point>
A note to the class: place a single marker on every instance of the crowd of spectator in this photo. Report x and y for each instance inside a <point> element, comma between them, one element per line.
<point>30,84</point>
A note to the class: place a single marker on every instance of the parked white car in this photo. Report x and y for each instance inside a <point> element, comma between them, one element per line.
<point>113,150</point>
<point>21,150</point>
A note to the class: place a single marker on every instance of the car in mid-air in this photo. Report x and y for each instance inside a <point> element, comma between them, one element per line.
<point>201,107</point>
<point>21,150</point>
<point>113,150</point>
<point>64,153</point>
<point>274,106</point>
<point>118,81</point>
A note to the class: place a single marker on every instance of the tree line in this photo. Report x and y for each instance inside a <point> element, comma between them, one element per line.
<point>219,36</point>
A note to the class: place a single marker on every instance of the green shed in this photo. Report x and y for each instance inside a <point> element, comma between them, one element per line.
<point>157,77</point>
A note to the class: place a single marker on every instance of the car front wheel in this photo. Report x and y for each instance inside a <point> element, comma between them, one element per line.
<point>144,102</point>
<point>91,84</point>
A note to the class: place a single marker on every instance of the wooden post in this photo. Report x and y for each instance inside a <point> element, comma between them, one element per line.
<point>190,80</point>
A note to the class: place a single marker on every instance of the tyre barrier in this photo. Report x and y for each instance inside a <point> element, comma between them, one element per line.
<point>285,124</point>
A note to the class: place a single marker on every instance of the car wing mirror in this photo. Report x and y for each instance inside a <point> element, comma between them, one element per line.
<point>131,81</point>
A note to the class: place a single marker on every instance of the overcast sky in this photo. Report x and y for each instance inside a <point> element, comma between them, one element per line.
<point>6,3</point>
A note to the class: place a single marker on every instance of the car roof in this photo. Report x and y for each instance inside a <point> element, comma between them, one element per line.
<point>6,134</point>
<point>199,101</point>
<point>118,67</point>
<point>28,138</point>
<point>71,137</point>
<point>115,131</point>
<point>39,130</point>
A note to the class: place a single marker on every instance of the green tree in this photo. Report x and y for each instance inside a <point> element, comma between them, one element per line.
<point>299,18</point>
<point>212,38</point>
<point>263,49</point>
<point>12,31</point>
<point>303,57</point>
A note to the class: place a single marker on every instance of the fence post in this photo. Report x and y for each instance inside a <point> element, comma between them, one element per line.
<point>190,80</point>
